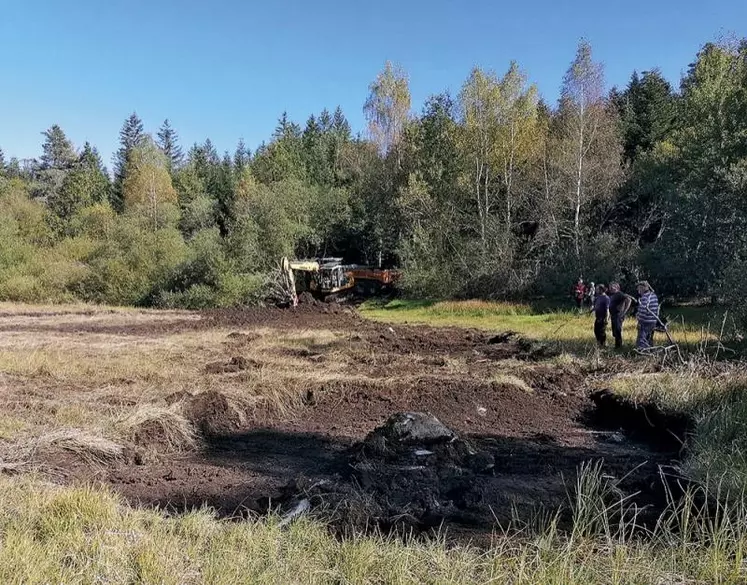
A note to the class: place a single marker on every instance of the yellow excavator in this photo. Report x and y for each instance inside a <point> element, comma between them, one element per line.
<point>328,277</point>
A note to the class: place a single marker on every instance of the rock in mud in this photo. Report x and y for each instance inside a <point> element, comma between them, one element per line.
<point>412,428</point>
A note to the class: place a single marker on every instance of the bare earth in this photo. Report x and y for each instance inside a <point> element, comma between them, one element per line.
<point>275,404</point>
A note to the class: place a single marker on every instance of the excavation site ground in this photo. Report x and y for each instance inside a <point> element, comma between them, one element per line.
<point>318,410</point>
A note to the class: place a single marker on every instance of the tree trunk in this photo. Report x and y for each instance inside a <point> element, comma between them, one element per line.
<point>579,171</point>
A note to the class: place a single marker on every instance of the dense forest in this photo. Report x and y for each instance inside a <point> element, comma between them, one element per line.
<point>489,193</point>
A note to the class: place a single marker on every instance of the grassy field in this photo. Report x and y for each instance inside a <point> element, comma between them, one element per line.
<point>689,326</point>
<point>90,394</point>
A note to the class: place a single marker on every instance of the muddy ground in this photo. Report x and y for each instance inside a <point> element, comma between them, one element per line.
<point>515,453</point>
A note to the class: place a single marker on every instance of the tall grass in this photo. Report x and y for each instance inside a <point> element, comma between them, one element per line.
<point>718,450</point>
<point>50,534</point>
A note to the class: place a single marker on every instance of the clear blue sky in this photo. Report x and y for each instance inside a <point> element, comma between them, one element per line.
<point>227,69</point>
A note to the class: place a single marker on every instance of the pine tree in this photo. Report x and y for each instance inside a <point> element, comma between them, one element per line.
<point>211,153</point>
<point>647,111</point>
<point>312,132</point>
<point>168,142</point>
<point>325,121</point>
<point>223,190</point>
<point>130,136</point>
<point>241,157</point>
<point>340,125</point>
<point>313,152</point>
<point>91,159</point>
<point>2,162</point>
<point>286,128</point>
<point>58,151</point>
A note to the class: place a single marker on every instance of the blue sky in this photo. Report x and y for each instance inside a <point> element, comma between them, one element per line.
<point>227,69</point>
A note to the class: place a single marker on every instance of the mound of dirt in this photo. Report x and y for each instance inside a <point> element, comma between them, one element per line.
<point>411,471</point>
<point>306,298</point>
<point>212,413</point>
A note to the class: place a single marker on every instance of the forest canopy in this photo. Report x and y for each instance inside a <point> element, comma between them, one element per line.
<point>490,193</point>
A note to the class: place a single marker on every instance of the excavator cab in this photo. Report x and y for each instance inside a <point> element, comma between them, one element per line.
<point>332,277</point>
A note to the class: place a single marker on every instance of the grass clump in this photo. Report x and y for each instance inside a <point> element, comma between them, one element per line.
<point>511,380</point>
<point>161,428</point>
<point>718,451</point>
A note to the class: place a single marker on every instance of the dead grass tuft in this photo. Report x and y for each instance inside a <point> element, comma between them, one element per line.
<point>158,427</point>
<point>511,380</point>
<point>90,448</point>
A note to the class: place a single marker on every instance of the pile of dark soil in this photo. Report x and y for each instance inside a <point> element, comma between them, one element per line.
<point>212,413</point>
<point>418,471</point>
<point>414,473</point>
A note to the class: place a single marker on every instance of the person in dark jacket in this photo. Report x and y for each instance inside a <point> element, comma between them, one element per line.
<point>600,310</point>
<point>619,307</point>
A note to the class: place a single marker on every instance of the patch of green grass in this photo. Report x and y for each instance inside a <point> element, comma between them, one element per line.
<point>573,330</point>
<point>11,426</point>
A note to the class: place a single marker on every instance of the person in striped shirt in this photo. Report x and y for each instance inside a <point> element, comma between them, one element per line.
<point>647,314</point>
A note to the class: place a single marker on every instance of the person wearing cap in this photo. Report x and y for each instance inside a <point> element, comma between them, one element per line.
<point>647,315</point>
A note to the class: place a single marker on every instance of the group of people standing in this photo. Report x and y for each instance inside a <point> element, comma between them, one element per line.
<point>617,305</point>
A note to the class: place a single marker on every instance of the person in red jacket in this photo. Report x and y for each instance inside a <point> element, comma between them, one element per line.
<point>578,293</point>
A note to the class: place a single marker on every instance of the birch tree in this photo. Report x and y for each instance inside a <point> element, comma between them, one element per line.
<point>517,130</point>
<point>387,108</point>
<point>147,183</point>
<point>479,107</point>
<point>590,143</point>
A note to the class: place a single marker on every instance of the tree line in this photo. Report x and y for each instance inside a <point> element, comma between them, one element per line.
<point>492,192</point>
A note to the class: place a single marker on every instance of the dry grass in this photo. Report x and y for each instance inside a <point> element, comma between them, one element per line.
<point>172,432</point>
<point>511,380</point>
<point>90,448</point>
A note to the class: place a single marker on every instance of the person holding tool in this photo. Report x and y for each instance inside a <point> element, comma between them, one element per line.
<point>647,315</point>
